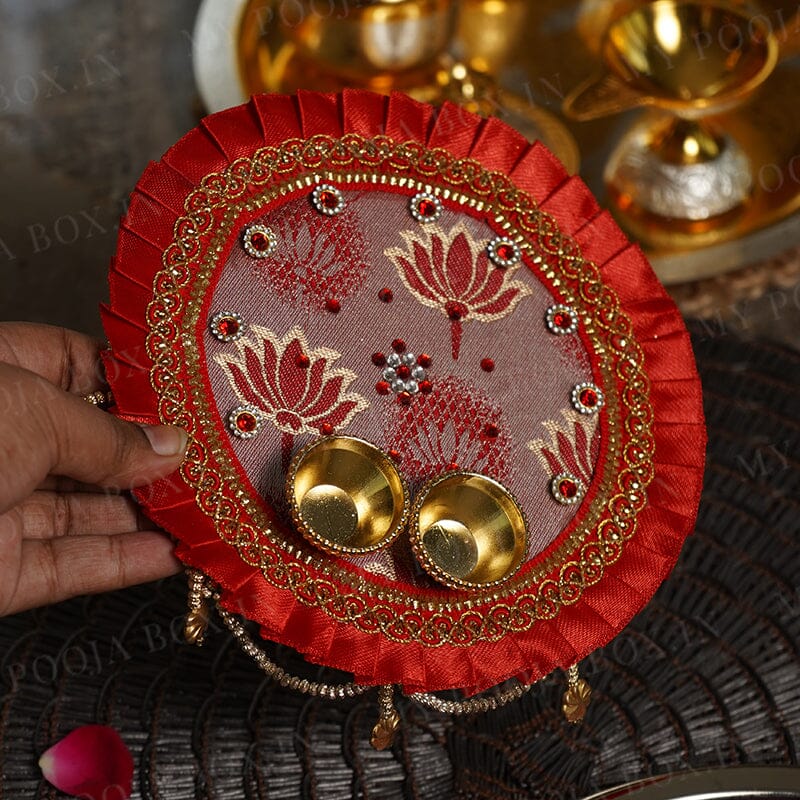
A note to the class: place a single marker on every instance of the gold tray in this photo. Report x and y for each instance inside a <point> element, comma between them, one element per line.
<point>539,53</point>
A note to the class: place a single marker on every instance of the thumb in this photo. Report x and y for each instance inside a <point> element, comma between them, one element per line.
<point>48,431</point>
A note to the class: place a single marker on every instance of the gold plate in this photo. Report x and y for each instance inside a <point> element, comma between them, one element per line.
<point>550,47</point>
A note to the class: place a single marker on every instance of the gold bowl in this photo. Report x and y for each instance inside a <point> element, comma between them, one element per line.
<point>686,59</point>
<point>357,39</point>
<point>690,57</point>
<point>346,495</point>
<point>467,531</point>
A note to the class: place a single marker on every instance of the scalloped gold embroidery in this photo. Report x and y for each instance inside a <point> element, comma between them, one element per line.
<point>430,621</point>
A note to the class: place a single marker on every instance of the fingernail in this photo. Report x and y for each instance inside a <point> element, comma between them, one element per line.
<point>166,440</point>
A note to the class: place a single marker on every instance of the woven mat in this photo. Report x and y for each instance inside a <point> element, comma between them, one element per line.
<point>706,675</point>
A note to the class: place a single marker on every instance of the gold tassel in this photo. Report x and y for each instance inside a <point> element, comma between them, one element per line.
<point>388,720</point>
<point>194,630</point>
<point>577,696</point>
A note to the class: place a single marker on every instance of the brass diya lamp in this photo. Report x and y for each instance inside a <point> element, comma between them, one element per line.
<point>435,50</point>
<point>685,62</point>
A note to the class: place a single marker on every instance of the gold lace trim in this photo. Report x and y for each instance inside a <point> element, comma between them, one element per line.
<point>431,621</point>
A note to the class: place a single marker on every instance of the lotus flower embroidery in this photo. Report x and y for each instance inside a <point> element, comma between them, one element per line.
<point>444,430</point>
<point>571,447</point>
<point>452,272</point>
<point>293,386</point>
<point>316,261</point>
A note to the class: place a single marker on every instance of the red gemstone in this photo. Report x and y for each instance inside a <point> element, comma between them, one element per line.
<point>246,422</point>
<point>491,431</point>
<point>588,397</point>
<point>505,252</point>
<point>303,361</point>
<point>404,372</point>
<point>228,326</point>
<point>399,346</point>
<point>425,387</point>
<point>453,467</point>
<point>260,241</point>
<point>329,199</point>
<point>395,455</point>
<point>333,305</point>
<point>487,364</point>
<point>386,295</point>
<point>567,488</point>
<point>561,319</point>
<point>424,360</point>
<point>383,387</point>
<point>378,359</point>
<point>455,310</point>
<point>404,398</point>
<point>427,207</point>
<point>326,429</point>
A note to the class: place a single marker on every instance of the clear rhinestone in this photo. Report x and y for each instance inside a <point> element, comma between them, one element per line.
<point>398,386</point>
<point>412,386</point>
<point>389,374</point>
<point>393,360</point>
<point>418,374</point>
<point>409,359</point>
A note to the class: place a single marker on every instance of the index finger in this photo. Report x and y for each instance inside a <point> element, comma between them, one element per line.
<point>66,358</point>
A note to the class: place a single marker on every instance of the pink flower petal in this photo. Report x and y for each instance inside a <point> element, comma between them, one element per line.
<point>91,762</point>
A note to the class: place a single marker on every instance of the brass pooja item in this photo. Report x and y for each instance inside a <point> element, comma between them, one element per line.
<point>520,60</point>
<point>689,60</point>
<point>467,531</point>
<point>346,496</point>
<point>396,44</point>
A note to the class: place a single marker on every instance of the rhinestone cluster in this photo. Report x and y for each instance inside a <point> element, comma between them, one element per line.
<point>259,241</point>
<point>245,422</point>
<point>587,398</point>
<point>504,253</point>
<point>327,199</point>
<point>425,207</point>
<point>227,326</point>
<point>404,373</point>
<point>561,320</point>
<point>566,488</point>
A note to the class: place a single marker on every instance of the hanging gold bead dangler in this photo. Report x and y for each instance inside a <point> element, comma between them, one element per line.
<point>388,720</point>
<point>194,630</point>
<point>577,696</point>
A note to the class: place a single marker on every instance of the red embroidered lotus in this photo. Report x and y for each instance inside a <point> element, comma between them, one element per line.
<point>447,429</point>
<point>452,272</point>
<point>292,385</point>
<point>572,446</point>
<point>316,261</point>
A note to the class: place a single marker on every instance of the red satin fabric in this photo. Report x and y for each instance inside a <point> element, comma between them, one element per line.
<point>675,390</point>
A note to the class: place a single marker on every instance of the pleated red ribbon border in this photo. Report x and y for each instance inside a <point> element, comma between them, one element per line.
<point>679,430</point>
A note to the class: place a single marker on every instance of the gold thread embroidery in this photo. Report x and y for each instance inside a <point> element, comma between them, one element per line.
<point>460,622</point>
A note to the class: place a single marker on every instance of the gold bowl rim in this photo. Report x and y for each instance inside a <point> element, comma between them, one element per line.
<point>324,544</point>
<point>433,569</point>
<point>665,101</point>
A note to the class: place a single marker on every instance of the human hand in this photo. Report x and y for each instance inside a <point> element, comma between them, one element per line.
<point>66,528</point>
